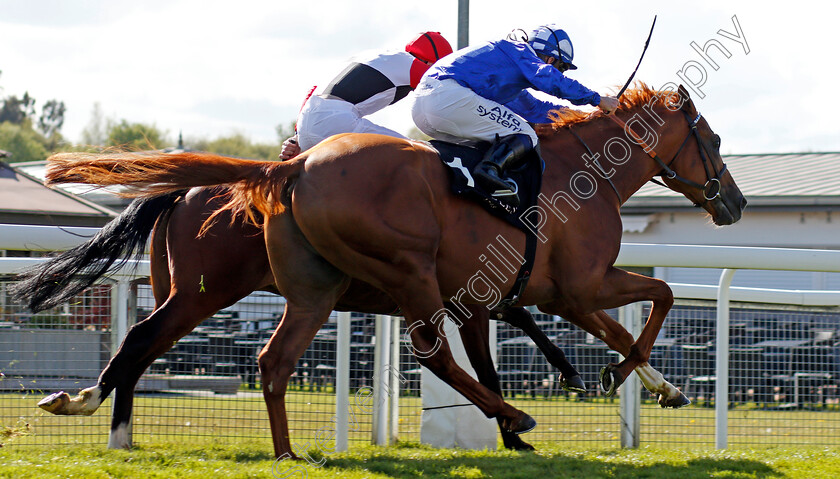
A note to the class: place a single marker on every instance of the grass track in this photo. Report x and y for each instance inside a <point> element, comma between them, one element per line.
<point>217,436</point>
<point>246,460</point>
<point>230,419</point>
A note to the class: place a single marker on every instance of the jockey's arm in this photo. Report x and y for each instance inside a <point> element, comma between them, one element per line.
<point>533,109</point>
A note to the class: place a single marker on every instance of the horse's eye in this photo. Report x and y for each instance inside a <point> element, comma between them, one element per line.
<point>716,142</point>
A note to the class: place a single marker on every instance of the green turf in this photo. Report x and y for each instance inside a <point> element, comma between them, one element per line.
<point>212,436</point>
<point>229,419</point>
<point>247,460</point>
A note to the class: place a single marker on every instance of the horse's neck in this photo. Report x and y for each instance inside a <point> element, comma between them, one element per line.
<point>608,141</point>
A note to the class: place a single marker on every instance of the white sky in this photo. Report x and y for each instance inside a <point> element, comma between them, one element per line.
<point>210,68</point>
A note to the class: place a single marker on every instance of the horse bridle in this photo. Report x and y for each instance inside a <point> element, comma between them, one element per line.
<point>712,188</point>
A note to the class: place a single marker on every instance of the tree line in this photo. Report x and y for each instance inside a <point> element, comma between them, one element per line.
<point>31,134</point>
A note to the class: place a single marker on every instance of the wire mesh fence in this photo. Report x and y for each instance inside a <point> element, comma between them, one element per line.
<point>63,348</point>
<point>784,377</point>
<point>529,383</point>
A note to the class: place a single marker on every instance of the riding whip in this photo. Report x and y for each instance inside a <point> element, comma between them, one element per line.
<point>647,42</point>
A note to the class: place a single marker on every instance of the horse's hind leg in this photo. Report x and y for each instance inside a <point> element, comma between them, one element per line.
<point>311,287</point>
<point>475,335</point>
<point>145,342</point>
<point>88,400</point>
<point>180,306</point>
<point>278,358</point>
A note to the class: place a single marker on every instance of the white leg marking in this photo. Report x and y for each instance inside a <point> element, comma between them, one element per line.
<point>655,382</point>
<point>120,438</point>
<point>86,402</point>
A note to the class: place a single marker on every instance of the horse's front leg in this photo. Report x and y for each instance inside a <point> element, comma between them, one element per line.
<point>620,288</point>
<point>522,319</point>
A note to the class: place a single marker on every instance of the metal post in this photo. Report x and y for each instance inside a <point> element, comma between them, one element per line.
<point>342,383</point>
<point>722,360</point>
<point>463,23</point>
<point>381,373</point>
<point>119,312</point>
<point>396,378</point>
<point>630,316</point>
<point>120,297</point>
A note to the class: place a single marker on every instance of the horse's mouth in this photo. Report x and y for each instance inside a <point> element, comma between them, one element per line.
<point>727,213</point>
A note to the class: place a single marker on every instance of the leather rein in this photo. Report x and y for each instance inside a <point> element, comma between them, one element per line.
<point>711,189</point>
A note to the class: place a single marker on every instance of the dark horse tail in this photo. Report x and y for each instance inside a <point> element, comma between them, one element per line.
<point>255,187</point>
<point>59,279</point>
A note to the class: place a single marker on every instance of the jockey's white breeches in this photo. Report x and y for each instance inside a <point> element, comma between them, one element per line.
<point>322,118</point>
<point>445,110</point>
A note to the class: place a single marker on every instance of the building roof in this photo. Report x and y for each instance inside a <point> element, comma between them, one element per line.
<point>766,180</point>
<point>106,197</point>
<point>25,200</point>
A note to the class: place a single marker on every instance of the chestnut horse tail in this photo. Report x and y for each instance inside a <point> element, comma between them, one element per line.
<point>254,185</point>
<point>53,282</point>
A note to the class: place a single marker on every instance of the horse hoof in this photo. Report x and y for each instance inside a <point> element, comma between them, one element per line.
<point>55,403</point>
<point>611,379</point>
<point>574,384</point>
<point>674,402</point>
<point>120,437</point>
<point>521,425</point>
<point>515,443</point>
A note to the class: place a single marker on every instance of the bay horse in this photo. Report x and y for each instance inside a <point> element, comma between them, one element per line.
<point>231,262</point>
<point>379,210</point>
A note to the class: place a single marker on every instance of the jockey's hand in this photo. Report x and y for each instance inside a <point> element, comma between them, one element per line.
<point>608,104</point>
<point>290,149</point>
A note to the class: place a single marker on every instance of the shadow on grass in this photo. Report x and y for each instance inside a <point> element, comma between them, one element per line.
<point>530,466</point>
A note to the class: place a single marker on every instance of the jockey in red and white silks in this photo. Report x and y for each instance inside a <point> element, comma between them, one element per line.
<point>367,85</point>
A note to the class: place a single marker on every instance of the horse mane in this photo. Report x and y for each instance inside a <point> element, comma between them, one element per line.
<point>636,97</point>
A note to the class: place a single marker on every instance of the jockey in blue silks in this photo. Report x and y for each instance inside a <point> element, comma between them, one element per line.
<point>481,93</point>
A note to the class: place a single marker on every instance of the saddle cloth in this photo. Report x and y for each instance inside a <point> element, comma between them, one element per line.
<point>461,159</point>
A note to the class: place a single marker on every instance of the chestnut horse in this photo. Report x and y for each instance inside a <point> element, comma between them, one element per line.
<point>231,262</point>
<point>379,210</point>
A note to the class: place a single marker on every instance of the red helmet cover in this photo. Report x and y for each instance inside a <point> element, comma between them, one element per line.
<point>429,46</point>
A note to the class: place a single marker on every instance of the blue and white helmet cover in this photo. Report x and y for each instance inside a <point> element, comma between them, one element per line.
<point>547,39</point>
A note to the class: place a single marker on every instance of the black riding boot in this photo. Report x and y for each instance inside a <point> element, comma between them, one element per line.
<point>505,153</point>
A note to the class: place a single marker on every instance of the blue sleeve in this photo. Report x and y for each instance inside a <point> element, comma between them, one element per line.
<point>532,108</point>
<point>545,77</point>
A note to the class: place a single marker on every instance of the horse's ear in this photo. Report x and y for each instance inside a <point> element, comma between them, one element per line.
<point>685,100</point>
